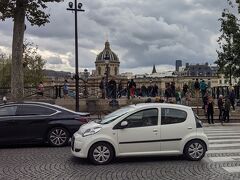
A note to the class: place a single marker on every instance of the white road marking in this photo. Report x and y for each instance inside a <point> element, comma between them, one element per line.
<point>235,169</point>
<point>220,137</point>
<point>224,145</point>
<point>217,134</point>
<point>224,140</point>
<point>223,159</point>
<point>219,151</point>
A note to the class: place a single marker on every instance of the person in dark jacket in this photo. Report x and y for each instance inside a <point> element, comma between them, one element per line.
<point>227,106</point>
<point>220,107</point>
<point>143,90</point>
<point>210,110</point>
<point>232,98</point>
<point>185,89</point>
<point>197,88</point>
<point>112,88</point>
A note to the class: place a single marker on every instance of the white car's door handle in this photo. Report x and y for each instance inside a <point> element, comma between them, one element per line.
<point>189,127</point>
<point>155,130</point>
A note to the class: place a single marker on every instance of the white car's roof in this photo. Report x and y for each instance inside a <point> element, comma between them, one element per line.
<point>166,105</point>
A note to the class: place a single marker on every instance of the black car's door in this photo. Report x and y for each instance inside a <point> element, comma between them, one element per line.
<point>7,123</point>
<point>32,121</point>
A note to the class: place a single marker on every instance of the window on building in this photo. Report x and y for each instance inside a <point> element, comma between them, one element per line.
<point>116,70</point>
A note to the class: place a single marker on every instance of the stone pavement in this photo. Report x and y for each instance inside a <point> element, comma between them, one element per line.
<point>41,162</point>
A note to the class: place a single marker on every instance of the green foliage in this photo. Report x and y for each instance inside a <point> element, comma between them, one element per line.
<point>34,10</point>
<point>229,43</point>
<point>5,71</point>
<point>33,67</point>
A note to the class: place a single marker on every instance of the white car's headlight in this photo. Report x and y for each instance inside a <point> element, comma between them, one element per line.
<point>91,131</point>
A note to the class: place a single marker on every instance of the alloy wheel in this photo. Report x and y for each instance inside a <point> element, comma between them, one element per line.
<point>196,150</point>
<point>58,137</point>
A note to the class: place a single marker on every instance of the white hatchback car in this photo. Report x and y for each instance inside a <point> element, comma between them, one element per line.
<point>142,130</point>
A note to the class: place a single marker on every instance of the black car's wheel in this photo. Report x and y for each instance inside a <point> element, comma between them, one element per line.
<point>58,136</point>
<point>101,153</point>
<point>195,150</point>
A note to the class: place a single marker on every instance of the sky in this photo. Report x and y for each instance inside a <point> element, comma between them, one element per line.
<point>141,32</point>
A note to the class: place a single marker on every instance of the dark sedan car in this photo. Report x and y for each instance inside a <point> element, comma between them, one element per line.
<point>34,122</point>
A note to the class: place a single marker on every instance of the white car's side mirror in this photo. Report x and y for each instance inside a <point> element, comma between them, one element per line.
<point>124,124</point>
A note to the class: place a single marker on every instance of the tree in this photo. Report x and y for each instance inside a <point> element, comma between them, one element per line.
<point>5,71</point>
<point>33,11</point>
<point>229,43</point>
<point>32,65</point>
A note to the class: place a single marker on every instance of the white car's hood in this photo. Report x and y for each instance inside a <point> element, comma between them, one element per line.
<point>90,125</point>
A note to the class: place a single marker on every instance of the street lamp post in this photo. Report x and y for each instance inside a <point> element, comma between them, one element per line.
<point>106,80</point>
<point>77,7</point>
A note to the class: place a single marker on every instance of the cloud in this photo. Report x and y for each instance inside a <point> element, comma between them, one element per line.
<point>141,33</point>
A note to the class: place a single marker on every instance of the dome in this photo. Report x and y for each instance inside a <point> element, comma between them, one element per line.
<point>107,54</point>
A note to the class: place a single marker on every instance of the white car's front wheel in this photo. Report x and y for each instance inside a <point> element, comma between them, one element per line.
<point>195,150</point>
<point>101,153</point>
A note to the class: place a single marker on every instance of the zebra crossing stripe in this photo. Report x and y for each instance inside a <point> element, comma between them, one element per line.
<point>225,159</point>
<point>217,134</point>
<point>224,145</point>
<point>223,140</point>
<point>219,151</point>
<point>220,137</point>
<point>235,169</point>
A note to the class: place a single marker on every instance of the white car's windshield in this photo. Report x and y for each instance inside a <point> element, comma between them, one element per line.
<point>116,114</point>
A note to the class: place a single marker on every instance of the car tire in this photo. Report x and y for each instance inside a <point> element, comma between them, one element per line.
<point>101,153</point>
<point>195,150</point>
<point>58,137</point>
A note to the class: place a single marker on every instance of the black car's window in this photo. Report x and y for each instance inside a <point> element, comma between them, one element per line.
<point>148,117</point>
<point>28,110</point>
<point>8,111</point>
<point>172,116</point>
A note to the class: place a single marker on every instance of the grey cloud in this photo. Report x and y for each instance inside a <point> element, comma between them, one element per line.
<point>141,32</point>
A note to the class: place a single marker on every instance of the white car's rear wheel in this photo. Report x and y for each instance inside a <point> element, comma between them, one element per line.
<point>195,150</point>
<point>101,153</point>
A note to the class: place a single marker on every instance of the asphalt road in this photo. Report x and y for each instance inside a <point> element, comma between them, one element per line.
<point>42,162</point>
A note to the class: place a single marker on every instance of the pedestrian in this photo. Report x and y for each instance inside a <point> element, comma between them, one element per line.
<point>185,89</point>
<point>143,90</point>
<point>197,88</point>
<point>65,89</point>
<point>203,88</point>
<point>150,90</point>
<point>188,97</point>
<point>210,110</point>
<point>232,98</point>
<point>132,88</point>
<point>4,100</point>
<point>112,88</point>
<point>168,92</point>
<point>120,89</point>
<point>227,106</point>
<point>205,102</point>
<point>128,89</point>
<point>155,90</point>
<point>220,108</point>
<point>178,96</point>
<point>40,89</point>
<point>101,86</point>
<point>173,89</point>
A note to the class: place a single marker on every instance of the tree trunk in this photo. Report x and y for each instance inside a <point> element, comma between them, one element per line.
<point>17,82</point>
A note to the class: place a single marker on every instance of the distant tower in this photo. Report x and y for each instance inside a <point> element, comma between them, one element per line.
<point>178,65</point>
<point>154,69</point>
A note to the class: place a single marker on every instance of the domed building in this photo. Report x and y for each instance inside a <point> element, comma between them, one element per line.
<point>107,58</point>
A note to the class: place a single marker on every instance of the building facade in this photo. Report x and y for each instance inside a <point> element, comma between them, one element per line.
<point>107,59</point>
